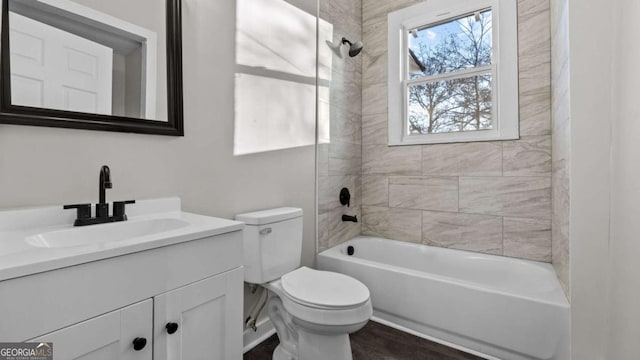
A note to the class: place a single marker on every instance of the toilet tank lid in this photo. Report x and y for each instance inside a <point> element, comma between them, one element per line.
<point>269,216</point>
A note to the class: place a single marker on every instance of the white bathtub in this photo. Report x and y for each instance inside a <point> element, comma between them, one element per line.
<point>506,308</point>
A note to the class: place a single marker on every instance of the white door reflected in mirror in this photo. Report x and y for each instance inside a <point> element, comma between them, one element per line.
<point>54,69</point>
<point>93,57</point>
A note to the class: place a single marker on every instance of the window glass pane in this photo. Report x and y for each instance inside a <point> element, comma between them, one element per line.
<point>455,45</point>
<point>463,104</point>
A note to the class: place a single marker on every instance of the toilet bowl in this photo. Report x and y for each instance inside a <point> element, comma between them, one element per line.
<point>313,311</point>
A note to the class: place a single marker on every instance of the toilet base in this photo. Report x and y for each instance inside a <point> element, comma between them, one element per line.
<point>300,340</point>
<point>317,347</point>
<point>280,354</point>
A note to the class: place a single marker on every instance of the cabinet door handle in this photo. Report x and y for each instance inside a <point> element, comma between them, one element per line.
<point>139,343</point>
<point>266,231</point>
<point>171,327</point>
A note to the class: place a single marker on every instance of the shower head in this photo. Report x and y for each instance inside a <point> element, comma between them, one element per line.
<point>354,48</point>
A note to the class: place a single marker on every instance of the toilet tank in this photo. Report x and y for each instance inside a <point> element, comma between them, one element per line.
<point>272,243</point>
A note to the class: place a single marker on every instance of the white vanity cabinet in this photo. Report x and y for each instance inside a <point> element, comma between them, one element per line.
<point>95,310</point>
<point>204,319</point>
<point>106,337</point>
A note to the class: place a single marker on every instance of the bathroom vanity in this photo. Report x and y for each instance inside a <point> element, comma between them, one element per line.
<point>163,285</point>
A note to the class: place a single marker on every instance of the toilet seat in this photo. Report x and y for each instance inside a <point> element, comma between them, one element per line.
<point>324,289</point>
<point>314,309</point>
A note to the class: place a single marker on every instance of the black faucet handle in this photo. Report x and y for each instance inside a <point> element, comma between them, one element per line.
<point>83,210</point>
<point>119,206</point>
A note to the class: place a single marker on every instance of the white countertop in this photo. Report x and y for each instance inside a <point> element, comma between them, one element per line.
<point>19,258</point>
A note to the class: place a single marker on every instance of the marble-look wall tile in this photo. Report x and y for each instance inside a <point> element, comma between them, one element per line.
<point>561,142</point>
<point>535,94</point>
<point>397,224</point>
<point>374,99</point>
<point>329,190</point>
<point>494,179</point>
<point>340,118</point>
<point>530,156</point>
<point>527,238</point>
<point>375,190</point>
<point>534,28</point>
<point>375,9</point>
<point>336,10</point>
<point>345,158</point>
<point>481,233</point>
<point>345,126</point>
<point>341,231</point>
<point>323,232</point>
<point>424,193</point>
<point>534,112</point>
<point>398,160</point>
<point>374,68</point>
<point>375,130</point>
<point>346,90</point>
<point>560,235</point>
<point>468,159</point>
<point>534,49</point>
<point>528,197</point>
<point>374,36</point>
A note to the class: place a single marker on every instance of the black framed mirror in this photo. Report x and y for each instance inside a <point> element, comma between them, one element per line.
<point>93,65</point>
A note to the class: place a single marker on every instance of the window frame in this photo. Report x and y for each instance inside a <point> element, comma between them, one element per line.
<point>504,69</point>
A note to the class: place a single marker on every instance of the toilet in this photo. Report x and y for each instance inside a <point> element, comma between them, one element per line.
<point>313,311</point>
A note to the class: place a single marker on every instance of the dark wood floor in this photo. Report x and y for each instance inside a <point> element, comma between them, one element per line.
<point>378,342</point>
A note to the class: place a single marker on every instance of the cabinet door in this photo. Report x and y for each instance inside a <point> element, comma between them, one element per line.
<point>208,315</point>
<point>106,337</point>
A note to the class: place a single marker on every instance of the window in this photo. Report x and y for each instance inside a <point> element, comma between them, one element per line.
<point>453,72</point>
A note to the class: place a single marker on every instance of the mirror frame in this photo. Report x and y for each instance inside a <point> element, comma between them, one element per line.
<point>24,115</point>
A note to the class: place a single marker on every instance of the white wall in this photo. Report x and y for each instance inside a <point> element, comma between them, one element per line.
<point>624,266</point>
<point>590,82</point>
<point>605,179</point>
<point>40,166</point>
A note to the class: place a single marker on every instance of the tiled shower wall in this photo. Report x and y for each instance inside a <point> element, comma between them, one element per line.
<point>561,139</point>
<point>492,197</point>
<point>340,119</point>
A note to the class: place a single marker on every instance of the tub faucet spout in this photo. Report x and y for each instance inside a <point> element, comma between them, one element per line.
<point>353,218</point>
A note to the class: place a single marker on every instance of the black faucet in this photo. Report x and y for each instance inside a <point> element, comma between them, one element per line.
<point>102,207</point>
<point>353,218</point>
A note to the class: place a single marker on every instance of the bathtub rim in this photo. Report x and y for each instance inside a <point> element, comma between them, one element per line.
<point>558,296</point>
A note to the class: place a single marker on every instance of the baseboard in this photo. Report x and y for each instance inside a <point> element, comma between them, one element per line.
<point>252,338</point>
<point>431,338</point>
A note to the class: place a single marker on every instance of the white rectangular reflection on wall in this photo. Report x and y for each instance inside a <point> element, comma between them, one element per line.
<point>326,49</point>
<point>273,114</point>
<point>275,85</point>
<point>276,35</point>
<point>325,70</point>
<point>324,114</point>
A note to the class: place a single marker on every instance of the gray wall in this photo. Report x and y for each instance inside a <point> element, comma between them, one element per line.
<point>47,166</point>
<point>491,197</point>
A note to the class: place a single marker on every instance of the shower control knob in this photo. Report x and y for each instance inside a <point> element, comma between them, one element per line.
<point>171,327</point>
<point>345,197</point>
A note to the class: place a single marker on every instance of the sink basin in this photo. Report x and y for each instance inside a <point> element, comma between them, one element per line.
<point>97,234</point>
